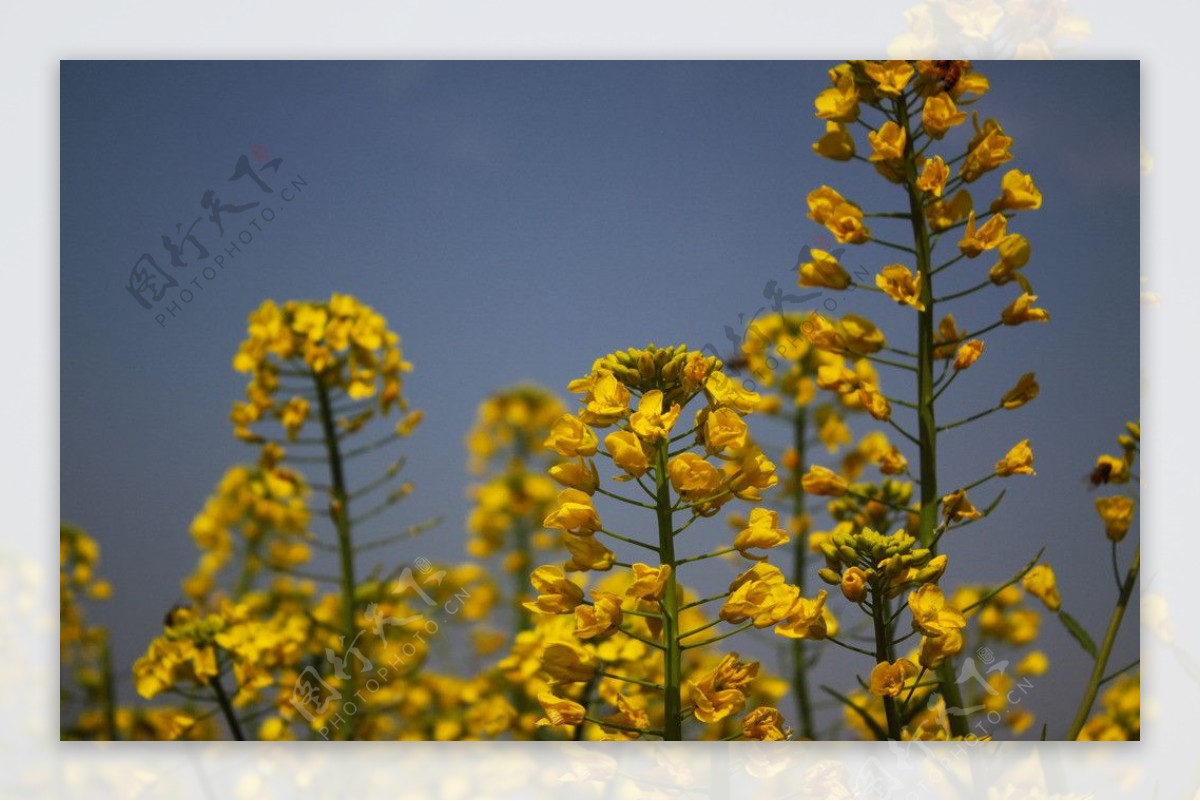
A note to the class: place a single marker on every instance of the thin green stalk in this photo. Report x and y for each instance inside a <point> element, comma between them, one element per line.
<point>799,574</point>
<point>672,653</point>
<point>340,511</point>
<point>883,654</point>
<point>927,425</point>
<point>235,728</point>
<point>1110,637</point>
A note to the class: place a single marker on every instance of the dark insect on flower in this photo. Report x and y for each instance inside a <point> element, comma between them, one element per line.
<point>949,72</point>
<point>1099,475</point>
<point>735,364</point>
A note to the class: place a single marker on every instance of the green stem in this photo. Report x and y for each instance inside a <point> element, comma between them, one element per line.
<point>672,654</point>
<point>927,426</point>
<point>883,654</point>
<point>235,728</point>
<point>799,570</point>
<point>1110,637</point>
<point>340,512</point>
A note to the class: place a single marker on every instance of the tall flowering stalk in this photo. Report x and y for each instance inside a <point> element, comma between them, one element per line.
<point>641,394</point>
<point>915,105</point>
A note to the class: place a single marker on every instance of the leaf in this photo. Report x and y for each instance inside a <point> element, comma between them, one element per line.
<point>1078,632</point>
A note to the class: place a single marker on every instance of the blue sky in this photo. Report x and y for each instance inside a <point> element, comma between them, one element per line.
<point>514,220</point>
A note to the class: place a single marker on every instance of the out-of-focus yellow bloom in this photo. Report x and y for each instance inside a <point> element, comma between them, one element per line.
<point>942,214</point>
<point>899,284</point>
<point>628,452</point>
<point>934,175</point>
<point>875,403</point>
<point>766,724</point>
<point>575,513</point>
<point>1041,584</point>
<point>1017,462</point>
<point>888,678</point>
<point>570,436</point>
<point>721,692</point>
<point>854,584</point>
<point>557,594</point>
<point>725,391</point>
<point>823,271</point>
<point>1110,470</point>
<point>567,663</point>
<point>1022,310</point>
<point>724,431</point>
<point>1117,513</point>
<point>939,115</point>
<point>987,150</point>
<point>587,553</point>
<point>579,474</point>
<point>986,237</point>
<point>762,532</point>
<point>957,506</point>
<point>823,481</point>
<point>693,477</point>
<point>806,620</point>
<point>1025,390</point>
<point>1022,626</point>
<point>600,619</point>
<point>650,422</point>
<point>861,335</point>
<point>887,144</point>
<point>968,353</point>
<point>890,77</point>
<point>649,583</point>
<point>1017,193</point>
<point>1035,663</point>
<point>839,102</point>
<point>837,143</point>
<point>560,711</point>
<point>293,415</point>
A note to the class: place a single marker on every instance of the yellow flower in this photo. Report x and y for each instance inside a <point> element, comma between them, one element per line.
<point>934,175</point>
<point>987,237</point>
<point>839,102</point>
<point>649,583</point>
<point>836,144</point>
<point>899,284</point>
<point>823,481</point>
<point>579,474</point>
<point>1025,390</point>
<point>567,663</point>
<point>293,415</point>
<point>1017,462</point>
<point>1041,584</point>
<point>939,115</point>
<point>987,150</point>
<point>762,532</point>
<point>607,401</point>
<point>845,222</point>
<point>957,506</point>
<point>721,693</point>
<point>823,271</point>
<point>559,711</point>
<point>556,593</point>
<point>724,391</point>
<point>861,335</point>
<point>821,203</point>
<point>627,452</point>
<point>575,513</point>
<point>1117,513</point>
<point>761,595</point>
<point>887,679</point>
<point>874,402</point>
<point>570,436</point>
<point>1014,254</point>
<point>1035,663</point>
<point>693,477</point>
<point>1017,193</point>
<point>587,553</point>
<point>806,619</point>
<point>968,353</point>
<point>854,584</point>
<point>1110,470</point>
<point>766,724</point>
<point>942,214</point>
<point>932,615</point>
<point>890,77</point>
<point>650,422</point>
<point>887,144</point>
<point>748,471</point>
<point>1022,310</point>
<point>934,649</point>
<point>600,619</point>
<point>724,430</point>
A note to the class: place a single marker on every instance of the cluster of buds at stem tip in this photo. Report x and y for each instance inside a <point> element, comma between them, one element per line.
<point>888,564</point>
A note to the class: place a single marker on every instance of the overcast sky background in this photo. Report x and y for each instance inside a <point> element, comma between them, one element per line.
<point>515,220</point>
